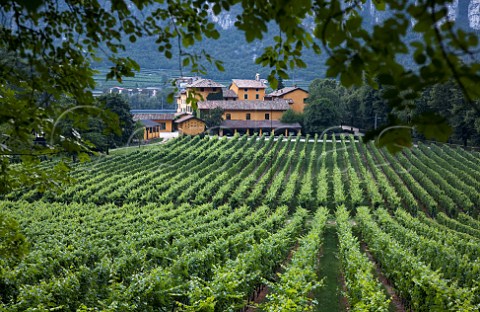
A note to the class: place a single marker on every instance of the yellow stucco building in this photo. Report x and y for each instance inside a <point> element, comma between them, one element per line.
<point>155,123</point>
<point>246,106</point>
<point>249,116</point>
<point>151,129</point>
<point>164,120</point>
<point>296,96</point>
<point>198,89</point>
<point>249,89</point>
<point>190,125</point>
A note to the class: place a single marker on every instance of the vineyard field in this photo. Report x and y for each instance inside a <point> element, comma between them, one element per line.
<point>239,223</point>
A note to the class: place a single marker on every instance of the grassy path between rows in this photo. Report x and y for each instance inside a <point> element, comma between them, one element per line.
<point>329,296</point>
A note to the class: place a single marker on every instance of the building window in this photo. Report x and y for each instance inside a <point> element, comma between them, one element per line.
<point>267,116</point>
<point>163,126</point>
<point>202,89</point>
<point>248,116</point>
<point>305,100</point>
<point>214,89</point>
<point>229,116</point>
<point>245,89</point>
<point>245,96</point>
<point>257,96</point>
<point>256,89</point>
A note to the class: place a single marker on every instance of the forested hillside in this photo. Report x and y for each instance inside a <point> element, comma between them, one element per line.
<point>239,56</point>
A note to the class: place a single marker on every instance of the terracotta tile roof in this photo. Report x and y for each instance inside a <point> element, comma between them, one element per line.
<point>185,118</point>
<point>227,93</point>
<point>205,83</point>
<point>277,105</point>
<point>152,111</point>
<point>149,123</point>
<point>257,124</point>
<point>163,116</point>
<point>283,91</point>
<point>249,84</point>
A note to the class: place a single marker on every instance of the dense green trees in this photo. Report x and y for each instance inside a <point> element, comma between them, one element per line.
<point>213,118</point>
<point>325,105</point>
<point>145,101</point>
<point>120,107</point>
<point>291,116</point>
<point>108,125</point>
<point>320,114</point>
<point>365,108</point>
<point>331,104</point>
<point>447,99</point>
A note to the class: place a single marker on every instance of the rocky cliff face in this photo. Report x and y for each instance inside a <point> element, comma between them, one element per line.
<point>474,14</point>
<point>225,20</point>
<point>465,12</point>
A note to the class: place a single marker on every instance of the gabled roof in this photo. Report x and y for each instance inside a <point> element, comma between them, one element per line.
<point>205,83</point>
<point>284,91</point>
<point>149,123</point>
<point>227,93</point>
<point>152,111</point>
<point>155,116</point>
<point>187,117</point>
<point>277,105</point>
<point>249,84</point>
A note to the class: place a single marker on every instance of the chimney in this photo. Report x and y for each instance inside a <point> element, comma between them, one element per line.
<point>257,77</point>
